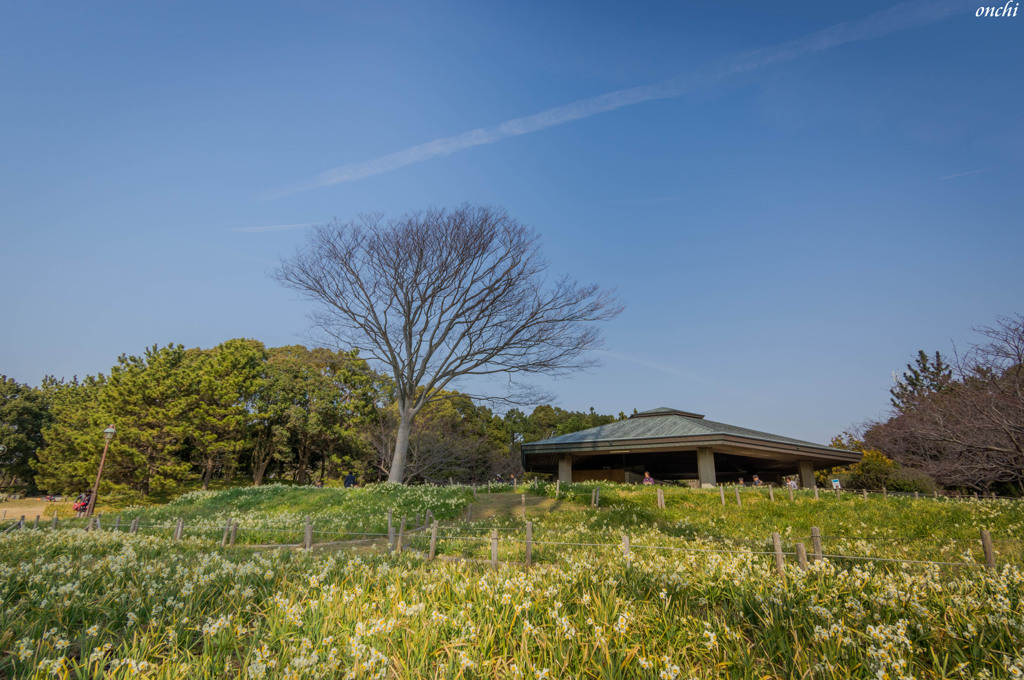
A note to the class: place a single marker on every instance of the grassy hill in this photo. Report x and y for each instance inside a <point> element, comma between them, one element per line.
<point>698,596</point>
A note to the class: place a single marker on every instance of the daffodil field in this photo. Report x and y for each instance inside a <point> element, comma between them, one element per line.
<point>696,595</point>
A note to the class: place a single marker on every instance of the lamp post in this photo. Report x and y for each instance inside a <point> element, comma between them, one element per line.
<point>108,434</point>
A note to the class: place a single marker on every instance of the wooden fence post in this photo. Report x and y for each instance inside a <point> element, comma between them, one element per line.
<point>178,528</point>
<point>135,526</point>
<point>558,488</point>
<point>494,548</point>
<point>801,556</point>
<point>469,512</point>
<point>864,493</point>
<point>885,493</point>
<point>975,495</point>
<point>816,543</point>
<point>837,493</point>
<point>307,537</point>
<point>529,543</point>
<point>721,492</point>
<point>391,529</point>
<point>790,490</point>
<point>234,533</point>
<point>433,540</point>
<point>524,506</point>
<point>738,501</point>
<point>625,548</point>
<point>21,522</point>
<point>401,535</point>
<point>99,525</point>
<point>815,492</point>
<point>227,531</point>
<point>780,564</point>
<point>771,494</point>
<point>986,545</point>
<point>54,525</point>
<point>917,495</point>
<point>117,523</point>
<point>935,493</point>
<point>36,525</point>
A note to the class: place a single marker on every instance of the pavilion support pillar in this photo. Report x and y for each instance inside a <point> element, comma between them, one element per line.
<point>706,468</point>
<point>806,470</point>
<point>565,468</point>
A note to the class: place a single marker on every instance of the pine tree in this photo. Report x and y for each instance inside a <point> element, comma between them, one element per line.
<point>925,376</point>
<point>24,412</point>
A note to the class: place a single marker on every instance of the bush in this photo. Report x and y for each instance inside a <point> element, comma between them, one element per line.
<point>874,471</point>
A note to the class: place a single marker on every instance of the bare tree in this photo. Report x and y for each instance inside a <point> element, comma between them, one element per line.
<point>440,447</point>
<point>440,295</point>
<point>971,432</point>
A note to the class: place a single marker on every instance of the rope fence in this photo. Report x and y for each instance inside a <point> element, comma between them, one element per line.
<point>426,538</point>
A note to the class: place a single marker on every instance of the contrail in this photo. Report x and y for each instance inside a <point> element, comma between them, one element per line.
<point>898,18</point>
<point>966,174</point>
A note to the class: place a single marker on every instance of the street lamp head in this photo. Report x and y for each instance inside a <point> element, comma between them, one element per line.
<point>109,432</point>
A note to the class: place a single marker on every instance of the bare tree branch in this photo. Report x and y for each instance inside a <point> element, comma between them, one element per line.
<point>970,433</point>
<point>439,295</point>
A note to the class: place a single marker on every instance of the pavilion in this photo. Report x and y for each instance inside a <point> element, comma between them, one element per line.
<point>678,446</point>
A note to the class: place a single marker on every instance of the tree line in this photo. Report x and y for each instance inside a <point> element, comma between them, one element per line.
<point>243,413</point>
<point>957,422</point>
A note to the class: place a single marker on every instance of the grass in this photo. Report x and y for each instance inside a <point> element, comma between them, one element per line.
<point>113,605</point>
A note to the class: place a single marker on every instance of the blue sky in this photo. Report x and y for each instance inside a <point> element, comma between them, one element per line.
<point>790,198</point>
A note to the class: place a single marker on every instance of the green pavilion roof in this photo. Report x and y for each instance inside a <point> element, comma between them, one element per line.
<point>667,423</point>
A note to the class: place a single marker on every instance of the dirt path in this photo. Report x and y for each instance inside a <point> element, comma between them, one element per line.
<point>490,505</point>
<point>30,507</point>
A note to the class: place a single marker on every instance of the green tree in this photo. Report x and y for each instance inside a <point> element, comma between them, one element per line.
<point>308,408</point>
<point>24,412</point>
<point>552,421</point>
<point>221,383</point>
<point>67,461</point>
<point>927,375</point>
<point>147,398</point>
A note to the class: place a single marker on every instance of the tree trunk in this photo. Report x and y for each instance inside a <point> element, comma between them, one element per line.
<point>397,473</point>
<point>302,471</point>
<point>258,470</point>
<point>208,474</point>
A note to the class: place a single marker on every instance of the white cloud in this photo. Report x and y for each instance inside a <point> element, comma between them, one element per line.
<point>898,18</point>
